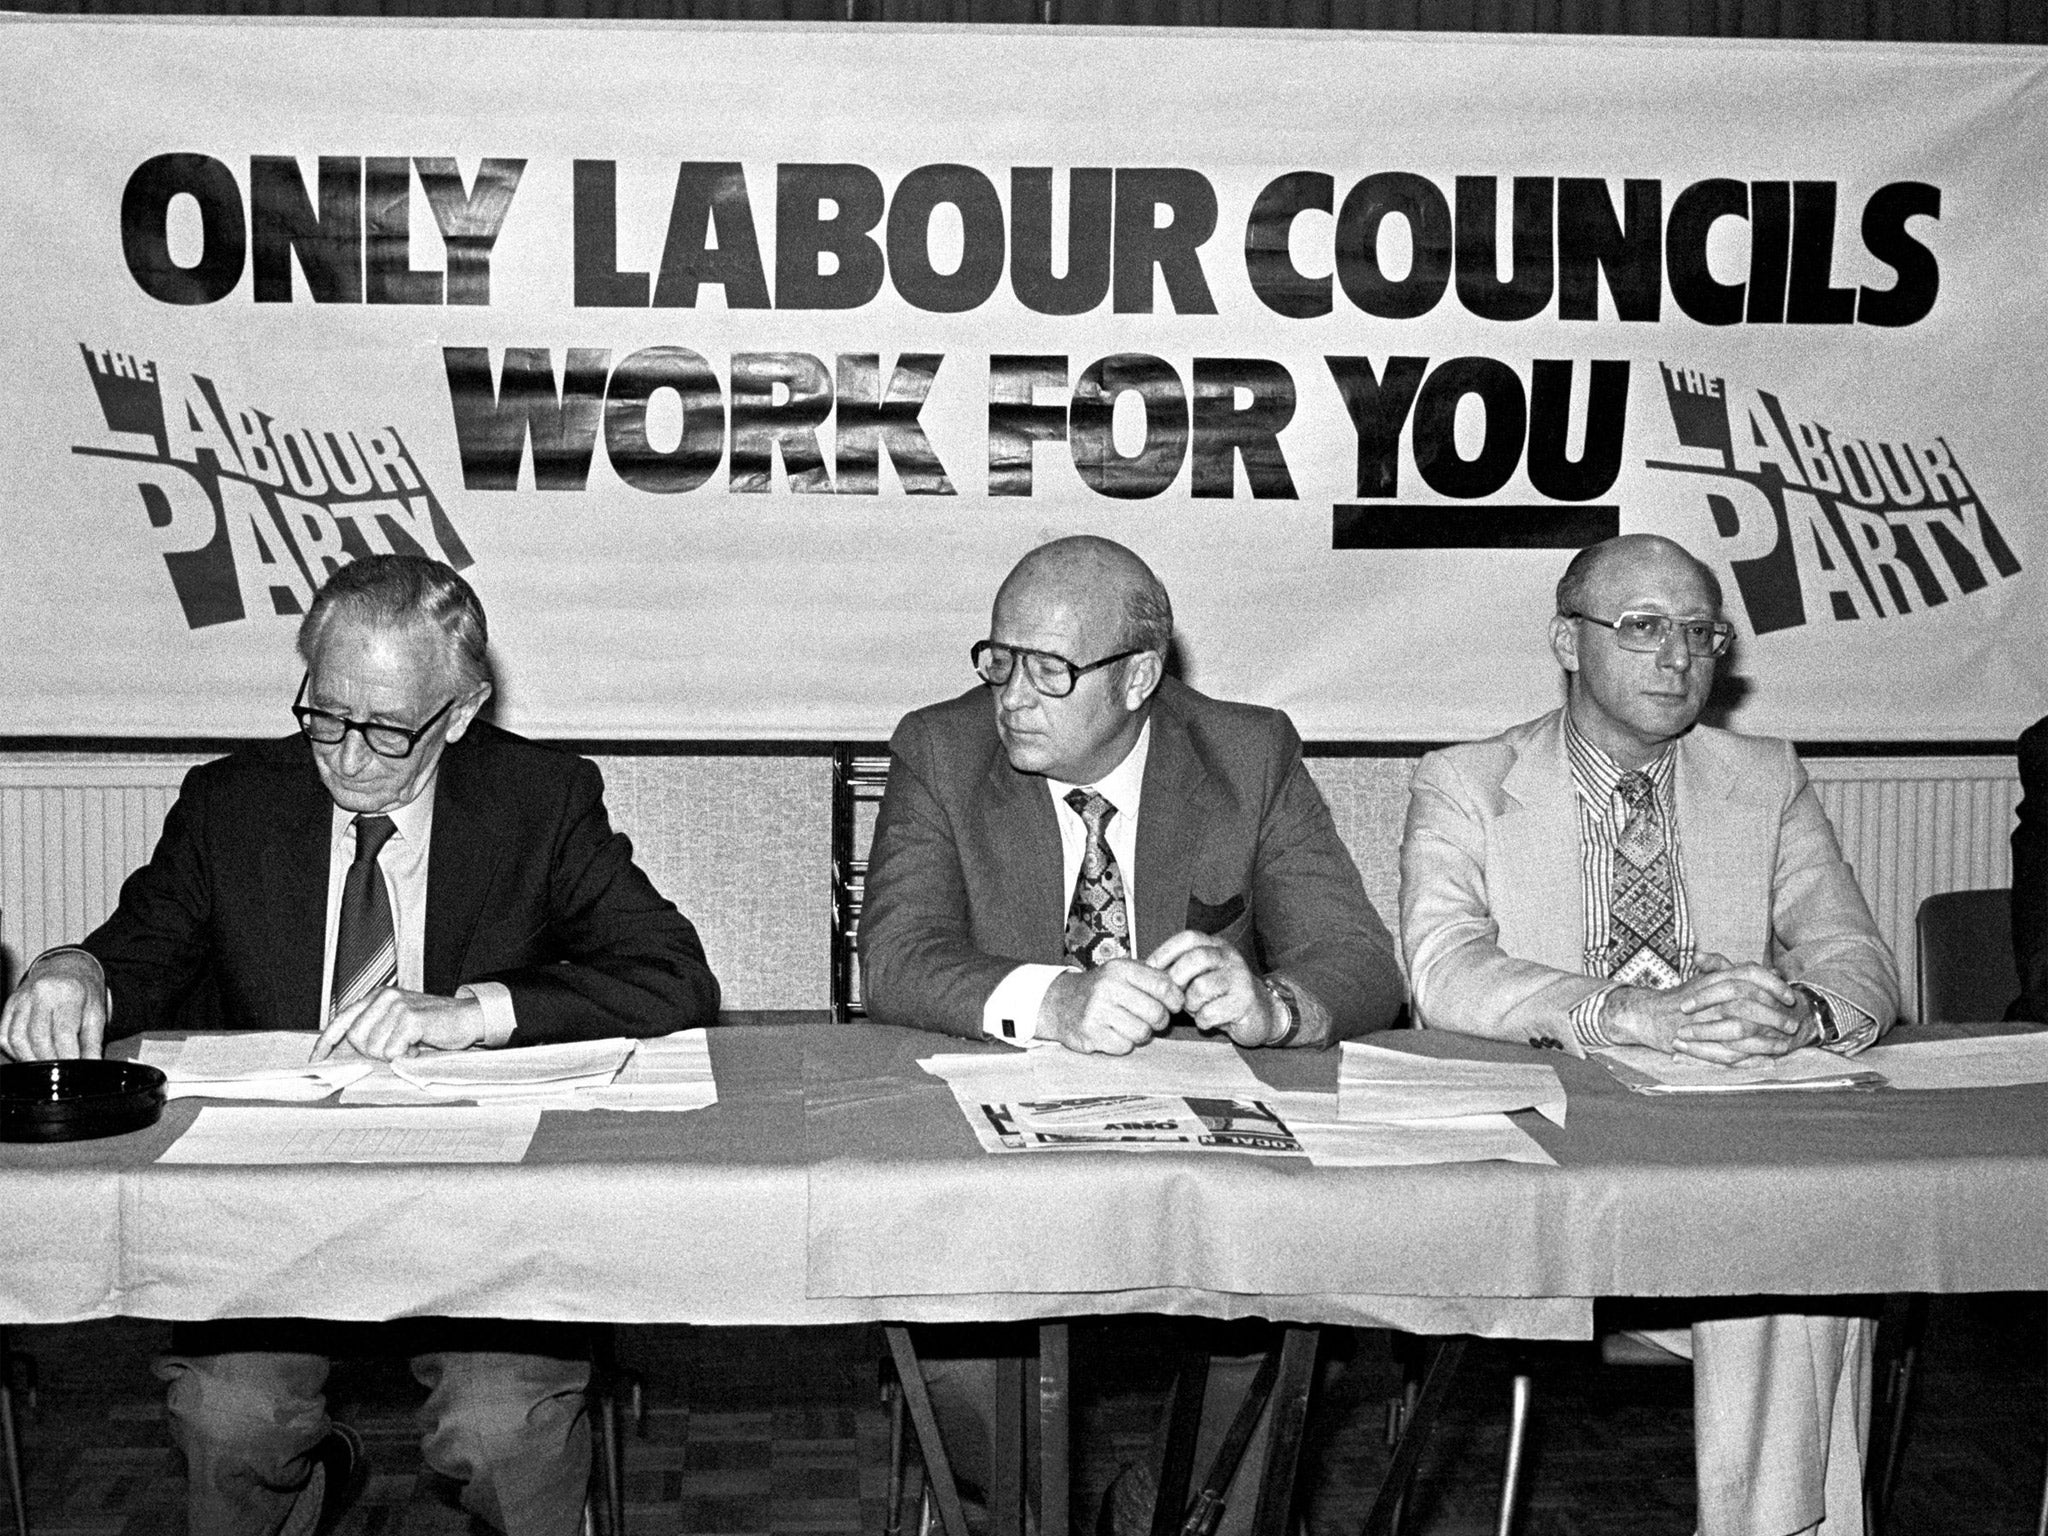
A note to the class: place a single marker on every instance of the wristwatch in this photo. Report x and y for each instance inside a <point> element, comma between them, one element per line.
<point>1823,1013</point>
<point>1283,1004</point>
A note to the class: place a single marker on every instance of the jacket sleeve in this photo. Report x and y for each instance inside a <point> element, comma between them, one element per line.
<point>608,954</point>
<point>154,945</point>
<point>1317,929</point>
<point>1822,932</point>
<point>919,963</point>
<point>1461,977</point>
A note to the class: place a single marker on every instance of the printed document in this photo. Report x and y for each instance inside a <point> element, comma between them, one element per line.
<point>495,1133</point>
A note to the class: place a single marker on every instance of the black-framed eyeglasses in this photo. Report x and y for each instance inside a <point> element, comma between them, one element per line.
<point>1648,632</point>
<point>384,740</point>
<point>1052,675</point>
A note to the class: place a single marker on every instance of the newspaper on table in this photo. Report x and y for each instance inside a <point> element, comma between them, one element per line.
<point>274,1134</point>
<point>1195,1096</point>
<point>670,1073</point>
<point>1374,1083</point>
<point>257,1064</point>
<point>1807,1070</point>
<point>1982,1061</point>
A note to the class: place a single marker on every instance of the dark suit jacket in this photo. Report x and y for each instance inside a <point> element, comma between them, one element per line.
<point>965,879</point>
<point>527,884</point>
<point>2030,877</point>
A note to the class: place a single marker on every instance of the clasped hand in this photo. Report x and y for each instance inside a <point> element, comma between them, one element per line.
<point>1729,1013</point>
<point>1121,1004</point>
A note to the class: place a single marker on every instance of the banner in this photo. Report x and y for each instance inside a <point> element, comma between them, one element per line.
<point>735,365</point>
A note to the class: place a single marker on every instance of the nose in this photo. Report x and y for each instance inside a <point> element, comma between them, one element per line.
<point>1672,654</point>
<point>352,755</point>
<point>1017,693</point>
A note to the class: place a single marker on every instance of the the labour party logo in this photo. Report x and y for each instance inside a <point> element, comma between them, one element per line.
<point>252,511</point>
<point>1821,523</point>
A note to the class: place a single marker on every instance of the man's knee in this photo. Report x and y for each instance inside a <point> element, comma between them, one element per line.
<point>255,1414</point>
<point>483,1407</point>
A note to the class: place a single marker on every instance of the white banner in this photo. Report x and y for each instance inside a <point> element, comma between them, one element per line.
<point>734,365</point>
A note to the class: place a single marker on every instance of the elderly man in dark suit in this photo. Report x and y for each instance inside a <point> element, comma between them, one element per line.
<point>1086,850</point>
<point>398,876</point>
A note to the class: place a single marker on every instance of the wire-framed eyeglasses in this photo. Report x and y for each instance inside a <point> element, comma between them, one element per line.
<point>1052,675</point>
<point>1648,631</point>
<point>384,740</point>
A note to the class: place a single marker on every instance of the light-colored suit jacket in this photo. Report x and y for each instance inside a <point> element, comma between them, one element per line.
<point>1234,840</point>
<point>1493,921</point>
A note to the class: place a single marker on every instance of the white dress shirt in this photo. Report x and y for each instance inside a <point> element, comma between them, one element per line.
<point>1011,1012</point>
<point>403,863</point>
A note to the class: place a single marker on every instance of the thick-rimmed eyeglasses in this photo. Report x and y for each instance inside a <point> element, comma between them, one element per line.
<point>1052,675</point>
<point>1649,631</point>
<point>384,740</point>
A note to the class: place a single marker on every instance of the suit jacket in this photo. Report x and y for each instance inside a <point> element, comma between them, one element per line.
<point>1493,922</point>
<point>2030,877</point>
<point>527,884</point>
<point>965,879</point>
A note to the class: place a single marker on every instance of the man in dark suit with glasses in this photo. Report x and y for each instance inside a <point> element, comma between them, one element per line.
<point>399,875</point>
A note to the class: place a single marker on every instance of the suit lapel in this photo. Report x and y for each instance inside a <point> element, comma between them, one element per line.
<point>1171,821</point>
<point>1029,906</point>
<point>296,849</point>
<point>1534,878</point>
<point>462,859</point>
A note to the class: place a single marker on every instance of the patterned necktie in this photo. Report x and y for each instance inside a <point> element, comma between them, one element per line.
<point>365,945</point>
<point>1098,922</point>
<point>1642,948</point>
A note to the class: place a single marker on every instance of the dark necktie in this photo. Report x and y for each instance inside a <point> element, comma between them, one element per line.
<point>365,945</point>
<point>1642,905</point>
<point>1098,922</point>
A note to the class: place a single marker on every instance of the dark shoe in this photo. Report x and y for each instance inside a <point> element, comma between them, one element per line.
<point>340,1469</point>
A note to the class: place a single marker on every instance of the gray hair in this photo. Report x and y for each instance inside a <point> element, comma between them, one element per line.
<point>396,592</point>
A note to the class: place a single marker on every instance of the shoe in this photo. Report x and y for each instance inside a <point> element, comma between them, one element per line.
<point>340,1470</point>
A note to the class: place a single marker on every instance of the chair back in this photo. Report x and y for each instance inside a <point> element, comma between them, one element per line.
<point>1963,942</point>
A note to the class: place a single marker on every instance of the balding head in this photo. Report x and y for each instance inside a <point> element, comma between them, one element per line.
<point>1099,573</point>
<point>1600,565</point>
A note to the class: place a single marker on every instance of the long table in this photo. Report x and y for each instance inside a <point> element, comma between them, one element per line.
<point>835,1181</point>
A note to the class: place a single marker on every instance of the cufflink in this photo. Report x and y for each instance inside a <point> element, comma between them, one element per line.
<point>1009,1028</point>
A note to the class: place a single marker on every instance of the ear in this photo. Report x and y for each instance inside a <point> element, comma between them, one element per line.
<point>1141,676</point>
<point>460,716</point>
<point>1564,642</point>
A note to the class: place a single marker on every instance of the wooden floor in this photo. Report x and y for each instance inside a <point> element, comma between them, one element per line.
<point>780,1432</point>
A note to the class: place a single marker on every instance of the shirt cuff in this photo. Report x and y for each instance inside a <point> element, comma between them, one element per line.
<point>1011,1012</point>
<point>1855,1030</point>
<point>1587,1021</point>
<point>495,998</point>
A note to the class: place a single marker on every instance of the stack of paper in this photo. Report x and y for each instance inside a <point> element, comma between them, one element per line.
<point>671,1073</point>
<point>1809,1070</point>
<point>1374,1083</point>
<point>1984,1061</point>
<point>1201,1096</point>
<point>494,1133</point>
<point>267,1064</point>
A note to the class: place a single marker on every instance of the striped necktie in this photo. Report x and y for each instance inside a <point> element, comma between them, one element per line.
<point>1098,922</point>
<point>365,945</point>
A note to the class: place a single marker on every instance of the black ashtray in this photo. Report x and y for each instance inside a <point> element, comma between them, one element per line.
<point>77,1100</point>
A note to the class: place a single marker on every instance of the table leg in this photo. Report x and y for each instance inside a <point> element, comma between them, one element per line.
<point>11,1448</point>
<point>1006,1452</point>
<point>938,1470</point>
<point>1054,1383</point>
<point>1283,1443</point>
<point>1415,1432</point>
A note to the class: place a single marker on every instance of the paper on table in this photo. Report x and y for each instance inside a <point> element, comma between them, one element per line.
<point>497,1133</point>
<point>1128,1123</point>
<point>1809,1069</point>
<point>1987,1061</point>
<point>1374,1083</point>
<point>1333,1142</point>
<point>256,1064</point>
<point>672,1073</point>
<point>1206,1068</point>
<point>518,1067</point>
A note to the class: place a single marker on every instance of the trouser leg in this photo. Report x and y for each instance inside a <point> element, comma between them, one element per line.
<point>1781,1420</point>
<point>247,1422</point>
<point>514,1430</point>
